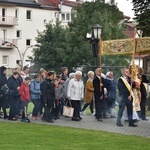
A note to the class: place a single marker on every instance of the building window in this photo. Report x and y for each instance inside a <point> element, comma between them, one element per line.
<point>5,60</point>
<point>4,36</point>
<point>18,62</point>
<point>56,15</point>
<point>28,42</point>
<point>28,15</point>
<point>65,17</point>
<point>3,14</point>
<point>18,34</point>
<point>16,13</point>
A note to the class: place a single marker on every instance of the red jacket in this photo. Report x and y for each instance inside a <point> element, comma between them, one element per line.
<point>24,92</point>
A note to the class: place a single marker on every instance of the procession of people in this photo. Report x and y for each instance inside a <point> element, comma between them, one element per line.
<point>49,92</point>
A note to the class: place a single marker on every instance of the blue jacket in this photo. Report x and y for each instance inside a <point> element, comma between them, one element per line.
<point>111,88</point>
<point>35,91</point>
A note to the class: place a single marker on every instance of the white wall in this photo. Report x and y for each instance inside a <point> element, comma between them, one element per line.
<point>28,31</point>
<point>64,10</point>
<point>137,62</point>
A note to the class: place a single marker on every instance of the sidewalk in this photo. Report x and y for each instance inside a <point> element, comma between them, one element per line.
<point>109,125</point>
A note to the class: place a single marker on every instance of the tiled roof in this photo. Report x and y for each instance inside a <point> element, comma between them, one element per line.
<point>48,4</point>
<point>71,3</point>
<point>132,25</point>
<point>29,2</point>
<point>65,2</point>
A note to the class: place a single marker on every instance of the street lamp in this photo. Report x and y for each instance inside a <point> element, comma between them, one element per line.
<point>96,32</point>
<point>94,40</point>
<point>96,35</point>
<point>23,54</point>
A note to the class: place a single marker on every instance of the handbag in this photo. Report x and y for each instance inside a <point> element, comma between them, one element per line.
<point>68,110</point>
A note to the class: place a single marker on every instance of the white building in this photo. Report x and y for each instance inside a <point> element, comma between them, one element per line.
<point>66,9</point>
<point>19,22</point>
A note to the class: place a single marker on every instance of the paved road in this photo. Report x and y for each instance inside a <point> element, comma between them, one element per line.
<point>89,122</point>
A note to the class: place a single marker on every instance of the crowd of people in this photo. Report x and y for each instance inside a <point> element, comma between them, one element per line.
<point>49,92</point>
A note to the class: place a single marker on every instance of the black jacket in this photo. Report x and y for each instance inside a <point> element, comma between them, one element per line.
<point>142,87</point>
<point>48,91</point>
<point>123,91</point>
<point>3,81</point>
<point>96,85</point>
<point>13,83</point>
<point>20,80</point>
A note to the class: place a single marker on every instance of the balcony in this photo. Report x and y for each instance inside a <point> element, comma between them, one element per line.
<point>7,43</point>
<point>8,21</point>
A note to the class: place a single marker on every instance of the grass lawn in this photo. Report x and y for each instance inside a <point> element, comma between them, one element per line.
<point>24,136</point>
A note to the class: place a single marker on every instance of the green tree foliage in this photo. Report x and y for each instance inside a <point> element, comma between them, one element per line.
<point>69,47</point>
<point>54,41</point>
<point>142,13</point>
<point>87,15</point>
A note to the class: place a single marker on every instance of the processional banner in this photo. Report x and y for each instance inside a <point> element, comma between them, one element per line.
<point>123,46</point>
<point>143,45</point>
<point>126,46</point>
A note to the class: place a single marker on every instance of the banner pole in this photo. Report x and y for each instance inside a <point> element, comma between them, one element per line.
<point>133,64</point>
<point>100,61</point>
<point>139,52</point>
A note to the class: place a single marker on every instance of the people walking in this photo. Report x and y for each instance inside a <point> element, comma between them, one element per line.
<point>3,91</point>
<point>43,76</point>
<point>25,72</point>
<point>75,94</point>
<point>89,93</point>
<point>35,96</point>
<point>20,79</point>
<point>143,89</point>
<point>13,95</point>
<point>48,96</point>
<point>24,98</point>
<point>110,85</point>
<point>98,83</point>
<point>71,76</point>
<point>125,98</point>
<point>59,98</point>
<point>64,74</point>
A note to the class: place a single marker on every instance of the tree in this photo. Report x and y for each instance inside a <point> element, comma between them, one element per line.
<point>142,13</point>
<point>87,15</point>
<point>68,46</point>
<point>53,40</point>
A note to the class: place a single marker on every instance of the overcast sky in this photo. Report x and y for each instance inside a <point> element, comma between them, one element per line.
<point>125,6</point>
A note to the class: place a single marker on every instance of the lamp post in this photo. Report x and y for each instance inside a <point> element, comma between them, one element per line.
<point>94,40</point>
<point>22,55</point>
<point>96,37</point>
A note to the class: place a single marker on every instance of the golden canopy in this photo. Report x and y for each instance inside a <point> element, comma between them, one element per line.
<point>126,46</point>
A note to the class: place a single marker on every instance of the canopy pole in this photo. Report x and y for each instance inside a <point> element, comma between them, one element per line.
<point>133,63</point>
<point>100,61</point>
<point>139,52</point>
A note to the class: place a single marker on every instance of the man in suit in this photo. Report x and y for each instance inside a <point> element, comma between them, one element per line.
<point>125,98</point>
<point>98,94</point>
<point>143,89</point>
